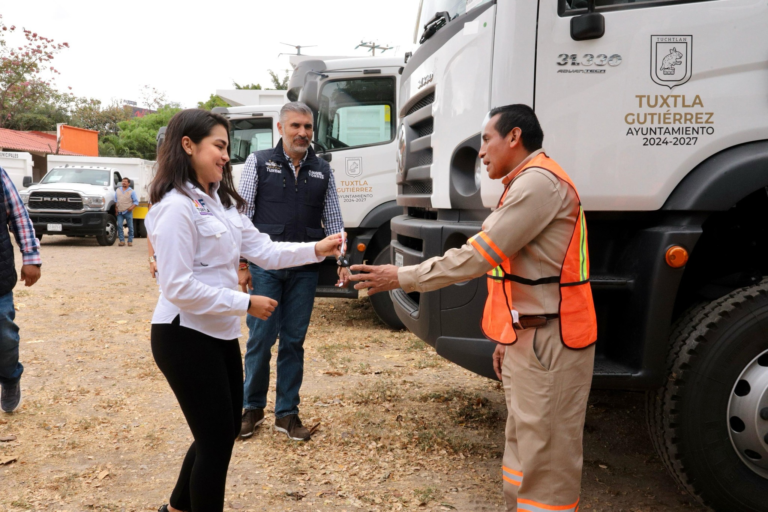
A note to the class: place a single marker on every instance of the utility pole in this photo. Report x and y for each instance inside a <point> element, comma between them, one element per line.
<point>372,47</point>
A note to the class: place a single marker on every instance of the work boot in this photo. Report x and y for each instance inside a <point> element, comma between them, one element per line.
<point>120,244</point>
<point>130,244</point>
<point>10,399</point>
<point>252,418</point>
<point>291,426</point>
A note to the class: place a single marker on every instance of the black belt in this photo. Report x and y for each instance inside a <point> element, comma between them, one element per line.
<point>528,321</point>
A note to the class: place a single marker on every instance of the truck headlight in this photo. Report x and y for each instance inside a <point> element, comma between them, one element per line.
<point>93,202</point>
<point>24,197</point>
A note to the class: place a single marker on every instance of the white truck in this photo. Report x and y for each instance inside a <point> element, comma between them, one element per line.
<point>19,166</point>
<point>657,110</point>
<point>77,196</point>
<point>354,101</point>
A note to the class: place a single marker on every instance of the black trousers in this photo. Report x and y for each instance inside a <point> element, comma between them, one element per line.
<point>206,375</point>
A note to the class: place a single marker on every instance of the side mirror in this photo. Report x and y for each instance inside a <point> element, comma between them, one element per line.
<point>27,181</point>
<point>310,95</point>
<point>326,156</point>
<point>130,184</point>
<point>588,26</point>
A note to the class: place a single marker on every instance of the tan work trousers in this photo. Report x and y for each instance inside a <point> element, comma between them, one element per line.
<point>546,385</point>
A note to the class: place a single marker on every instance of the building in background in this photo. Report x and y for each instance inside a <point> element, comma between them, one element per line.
<point>67,140</point>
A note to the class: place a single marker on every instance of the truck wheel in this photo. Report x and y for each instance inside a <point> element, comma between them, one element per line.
<point>109,235</point>
<point>709,422</point>
<point>381,302</point>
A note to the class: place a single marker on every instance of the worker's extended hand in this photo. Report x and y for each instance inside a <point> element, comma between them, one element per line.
<point>152,268</point>
<point>244,280</point>
<point>498,359</point>
<point>377,279</point>
<point>30,274</point>
<point>329,246</point>
<point>262,307</point>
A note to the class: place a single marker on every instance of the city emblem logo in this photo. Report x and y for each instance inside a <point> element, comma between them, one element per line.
<point>354,166</point>
<point>671,60</point>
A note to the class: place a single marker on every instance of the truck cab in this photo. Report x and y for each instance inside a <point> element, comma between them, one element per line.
<point>667,159</point>
<point>75,201</point>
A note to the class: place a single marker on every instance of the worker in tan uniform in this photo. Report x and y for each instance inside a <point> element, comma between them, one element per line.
<point>533,249</point>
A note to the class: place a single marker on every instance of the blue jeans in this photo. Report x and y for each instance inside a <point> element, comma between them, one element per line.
<point>128,217</point>
<point>294,291</point>
<point>10,367</point>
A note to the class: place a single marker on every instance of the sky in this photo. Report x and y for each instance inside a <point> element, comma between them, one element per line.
<point>190,49</point>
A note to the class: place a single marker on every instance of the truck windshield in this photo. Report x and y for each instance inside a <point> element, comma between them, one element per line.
<point>249,135</point>
<point>86,176</point>
<point>356,112</point>
<point>453,7</point>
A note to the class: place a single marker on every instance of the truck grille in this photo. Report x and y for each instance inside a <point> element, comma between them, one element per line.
<point>423,102</point>
<point>416,188</point>
<point>55,201</point>
<point>56,220</point>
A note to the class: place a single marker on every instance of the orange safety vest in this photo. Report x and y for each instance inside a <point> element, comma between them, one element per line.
<point>578,324</point>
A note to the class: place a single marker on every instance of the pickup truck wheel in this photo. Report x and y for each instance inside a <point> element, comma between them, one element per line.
<point>109,235</point>
<point>709,422</point>
<point>382,302</point>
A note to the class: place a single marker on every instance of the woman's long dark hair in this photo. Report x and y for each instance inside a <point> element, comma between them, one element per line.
<point>174,165</point>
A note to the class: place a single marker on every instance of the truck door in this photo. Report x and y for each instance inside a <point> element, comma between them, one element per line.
<point>629,114</point>
<point>355,121</point>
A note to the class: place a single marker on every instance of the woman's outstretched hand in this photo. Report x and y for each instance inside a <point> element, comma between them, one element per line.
<point>261,307</point>
<point>329,246</point>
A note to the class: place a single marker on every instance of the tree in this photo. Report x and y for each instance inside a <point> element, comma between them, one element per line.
<point>153,98</point>
<point>251,87</point>
<point>280,85</point>
<point>138,136</point>
<point>214,101</point>
<point>90,114</point>
<point>23,90</point>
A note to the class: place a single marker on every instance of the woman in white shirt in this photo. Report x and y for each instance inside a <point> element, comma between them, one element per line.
<point>198,236</point>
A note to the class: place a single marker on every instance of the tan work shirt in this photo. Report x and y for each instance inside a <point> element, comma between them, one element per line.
<point>533,228</point>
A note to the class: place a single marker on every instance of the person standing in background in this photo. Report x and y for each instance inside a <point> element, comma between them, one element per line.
<point>125,202</point>
<point>291,196</point>
<point>13,218</point>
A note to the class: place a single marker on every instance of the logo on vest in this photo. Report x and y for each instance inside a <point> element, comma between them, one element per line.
<point>274,167</point>
<point>315,174</point>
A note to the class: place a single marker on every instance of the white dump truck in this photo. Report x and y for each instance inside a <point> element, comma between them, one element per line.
<point>354,101</point>
<point>657,110</point>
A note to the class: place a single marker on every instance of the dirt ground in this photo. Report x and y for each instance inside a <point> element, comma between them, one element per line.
<point>399,427</point>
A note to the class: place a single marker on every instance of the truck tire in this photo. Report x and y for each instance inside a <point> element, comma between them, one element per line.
<point>382,302</point>
<point>109,235</point>
<point>709,421</point>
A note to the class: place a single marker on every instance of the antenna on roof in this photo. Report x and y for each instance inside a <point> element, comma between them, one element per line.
<point>298,48</point>
<point>372,47</point>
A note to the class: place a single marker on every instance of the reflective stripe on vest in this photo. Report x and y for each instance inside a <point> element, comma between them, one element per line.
<point>578,324</point>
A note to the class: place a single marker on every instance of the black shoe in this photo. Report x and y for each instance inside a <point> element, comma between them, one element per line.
<point>252,418</point>
<point>164,508</point>
<point>291,426</point>
<point>10,399</point>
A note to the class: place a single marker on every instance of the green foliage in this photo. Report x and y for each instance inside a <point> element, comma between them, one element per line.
<point>90,114</point>
<point>138,136</point>
<point>214,101</point>
<point>279,85</point>
<point>250,87</point>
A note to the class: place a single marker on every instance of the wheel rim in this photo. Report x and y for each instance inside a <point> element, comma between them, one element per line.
<point>748,415</point>
<point>111,230</point>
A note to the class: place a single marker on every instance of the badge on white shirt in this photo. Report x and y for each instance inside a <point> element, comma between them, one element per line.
<point>200,206</point>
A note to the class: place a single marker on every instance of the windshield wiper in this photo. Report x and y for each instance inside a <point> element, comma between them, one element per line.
<point>440,20</point>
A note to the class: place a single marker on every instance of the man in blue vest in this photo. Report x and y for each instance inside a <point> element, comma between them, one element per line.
<point>13,217</point>
<point>291,196</point>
